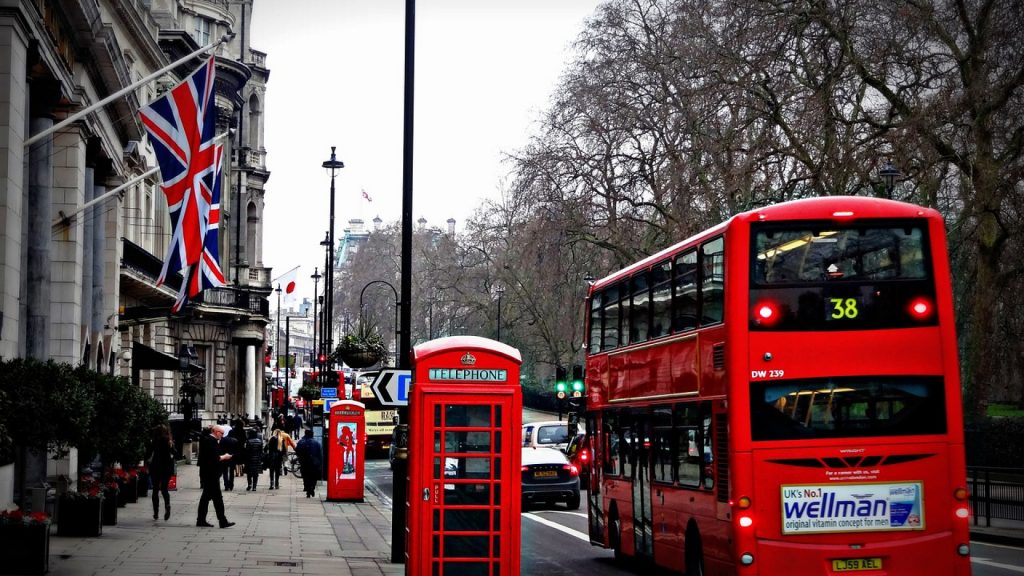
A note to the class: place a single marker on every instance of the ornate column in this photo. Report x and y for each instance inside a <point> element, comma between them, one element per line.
<point>250,380</point>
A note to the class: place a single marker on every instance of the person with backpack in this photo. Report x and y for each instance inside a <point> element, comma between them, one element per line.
<point>277,448</point>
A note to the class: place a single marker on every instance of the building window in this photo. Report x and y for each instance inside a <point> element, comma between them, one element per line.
<point>202,30</point>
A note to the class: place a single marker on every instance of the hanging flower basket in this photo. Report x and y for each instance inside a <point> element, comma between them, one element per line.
<point>359,358</point>
<point>362,348</point>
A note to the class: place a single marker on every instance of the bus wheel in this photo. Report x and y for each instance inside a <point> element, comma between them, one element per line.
<point>694,552</point>
<point>615,535</point>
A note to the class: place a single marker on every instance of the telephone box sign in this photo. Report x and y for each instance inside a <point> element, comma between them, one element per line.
<point>467,374</point>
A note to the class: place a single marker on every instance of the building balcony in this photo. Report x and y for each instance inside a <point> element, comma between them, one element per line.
<point>257,58</point>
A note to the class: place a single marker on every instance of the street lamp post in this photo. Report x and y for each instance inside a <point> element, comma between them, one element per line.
<point>333,165</point>
<point>277,332</point>
<point>500,290</point>
<point>889,174</point>
<point>315,349</point>
<point>398,304</point>
<point>326,243</point>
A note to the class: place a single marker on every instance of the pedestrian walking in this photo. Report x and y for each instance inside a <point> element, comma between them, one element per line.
<point>161,468</point>
<point>277,448</point>
<point>310,461</point>
<point>253,459</point>
<point>230,445</point>
<point>239,434</point>
<point>210,467</point>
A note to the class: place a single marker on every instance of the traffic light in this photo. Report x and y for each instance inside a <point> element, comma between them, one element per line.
<point>322,358</point>
<point>577,381</point>
<point>560,382</point>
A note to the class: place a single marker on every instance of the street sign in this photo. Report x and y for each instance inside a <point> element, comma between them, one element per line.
<point>328,392</point>
<point>391,387</point>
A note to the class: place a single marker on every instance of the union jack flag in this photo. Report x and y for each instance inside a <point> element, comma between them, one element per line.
<point>181,127</point>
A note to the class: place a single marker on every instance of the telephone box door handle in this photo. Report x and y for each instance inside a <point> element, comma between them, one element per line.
<point>426,494</point>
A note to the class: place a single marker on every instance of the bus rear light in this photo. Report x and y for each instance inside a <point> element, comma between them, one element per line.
<point>746,521</point>
<point>743,502</point>
<point>960,493</point>
<point>963,513</point>
<point>584,456</point>
<point>963,550</point>
<point>766,313</point>
<point>746,558</point>
<point>920,308</point>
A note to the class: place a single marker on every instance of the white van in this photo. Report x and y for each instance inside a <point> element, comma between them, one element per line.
<point>546,434</point>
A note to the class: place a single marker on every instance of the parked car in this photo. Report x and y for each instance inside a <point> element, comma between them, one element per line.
<point>549,477</point>
<point>546,434</point>
<point>579,454</point>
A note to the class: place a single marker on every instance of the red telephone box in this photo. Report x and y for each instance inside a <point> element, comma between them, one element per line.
<point>465,414</point>
<point>346,438</point>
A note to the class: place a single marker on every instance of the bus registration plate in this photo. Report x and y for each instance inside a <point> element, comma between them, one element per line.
<point>854,564</point>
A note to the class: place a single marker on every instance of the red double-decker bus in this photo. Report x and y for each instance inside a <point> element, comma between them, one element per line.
<point>780,395</point>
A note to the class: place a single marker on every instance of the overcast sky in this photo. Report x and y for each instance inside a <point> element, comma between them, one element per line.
<point>485,71</point>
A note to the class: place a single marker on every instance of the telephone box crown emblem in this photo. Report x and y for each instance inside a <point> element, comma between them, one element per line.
<point>468,359</point>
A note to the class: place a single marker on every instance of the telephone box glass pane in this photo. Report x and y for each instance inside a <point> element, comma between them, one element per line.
<point>462,415</point>
<point>461,520</point>
<point>472,494</point>
<point>466,546</point>
<point>437,441</point>
<point>437,415</point>
<point>497,415</point>
<point>437,468</point>
<point>497,520</point>
<point>467,441</point>
<point>437,519</point>
<point>497,468</point>
<point>465,569</point>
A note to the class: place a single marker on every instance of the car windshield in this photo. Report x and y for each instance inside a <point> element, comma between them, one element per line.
<point>553,434</point>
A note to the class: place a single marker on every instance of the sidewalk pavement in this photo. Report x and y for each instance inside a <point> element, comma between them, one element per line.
<point>276,532</point>
<point>1008,532</point>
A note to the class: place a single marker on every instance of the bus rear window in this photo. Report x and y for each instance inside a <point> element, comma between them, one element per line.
<point>824,278</point>
<point>809,254</point>
<point>848,407</point>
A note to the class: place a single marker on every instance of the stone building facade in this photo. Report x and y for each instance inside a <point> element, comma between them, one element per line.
<point>83,223</point>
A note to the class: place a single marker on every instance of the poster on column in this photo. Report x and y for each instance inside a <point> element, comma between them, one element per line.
<point>347,434</point>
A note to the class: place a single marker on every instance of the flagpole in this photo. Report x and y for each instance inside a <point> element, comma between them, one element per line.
<point>88,110</point>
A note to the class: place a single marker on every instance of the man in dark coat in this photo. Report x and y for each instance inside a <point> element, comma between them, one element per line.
<point>310,461</point>
<point>210,466</point>
<point>229,445</point>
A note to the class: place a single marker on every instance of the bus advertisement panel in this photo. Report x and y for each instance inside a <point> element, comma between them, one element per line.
<point>784,385</point>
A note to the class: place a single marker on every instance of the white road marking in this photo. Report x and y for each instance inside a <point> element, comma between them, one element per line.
<point>987,562</point>
<point>568,512</point>
<point>557,526</point>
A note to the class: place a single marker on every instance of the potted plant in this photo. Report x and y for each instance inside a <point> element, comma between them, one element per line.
<point>362,348</point>
<point>27,539</point>
<point>80,513</point>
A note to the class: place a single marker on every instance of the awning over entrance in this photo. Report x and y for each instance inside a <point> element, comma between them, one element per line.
<point>146,358</point>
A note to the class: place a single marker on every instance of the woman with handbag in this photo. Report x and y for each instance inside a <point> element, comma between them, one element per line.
<point>161,468</point>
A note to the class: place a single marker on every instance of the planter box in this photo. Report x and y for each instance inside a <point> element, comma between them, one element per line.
<point>29,549</point>
<point>109,508</point>
<point>143,484</point>
<point>128,493</point>
<point>80,517</point>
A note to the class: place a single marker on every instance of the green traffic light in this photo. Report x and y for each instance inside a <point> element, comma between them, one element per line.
<point>577,386</point>
<point>559,386</point>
